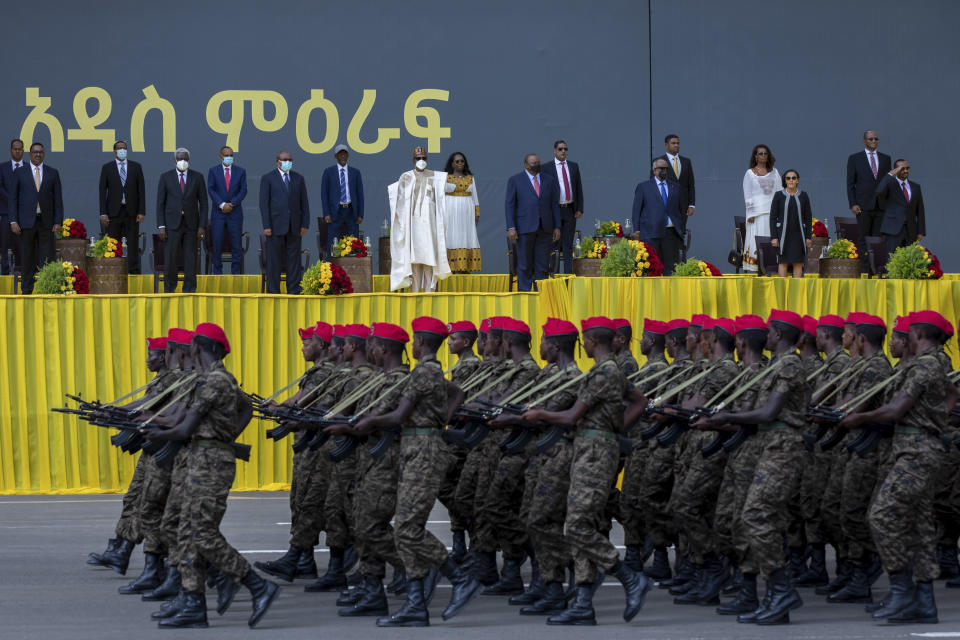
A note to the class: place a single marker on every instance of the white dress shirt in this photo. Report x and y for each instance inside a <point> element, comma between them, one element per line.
<point>346,182</point>
<point>905,184</point>
<point>671,158</point>
<point>565,198</point>
<point>876,160</point>
<point>16,165</point>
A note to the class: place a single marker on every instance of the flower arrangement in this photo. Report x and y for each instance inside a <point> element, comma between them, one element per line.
<point>350,247</point>
<point>696,268</point>
<point>631,258</point>
<point>610,229</point>
<point>819,229</point>
<point>325,279</point>
<point>914,262</point>
<point>842,248</point>
<point>106,247</point>
<point>593,248</point>
<point>72,228</point>
<point>61,278</point>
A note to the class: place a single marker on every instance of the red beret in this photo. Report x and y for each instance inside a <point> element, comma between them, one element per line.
<point>787,317</point>
<point>678,323</point>
<point>597,322</point>
<point>726,324</point>
<point>339,331</point>
<point>157,343</point>
<point>461,325</point>
<point>180,336</point>
<point>830,320</point>
<point>214,332</point>
<point>429,325</point>
<point>854,317</point>
<point>654,326</point>
<point>619,323</point>
<point>306,334</point>
<point>707,323</point>
<point>517,326</point>
<point>324,331</point>
<point>361,331</point>
<point>389,331</point>
<point>749,321</point>
<point>931,317</point>
<point>497,323</point>
<point>485,325</point>
<point>810,325</point>
<point>902,324</point>
<point>558,327</point>
<point>875,321</point>
<point>698,319</point>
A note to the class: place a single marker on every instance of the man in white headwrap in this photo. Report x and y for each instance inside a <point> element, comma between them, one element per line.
<point>418,251</point>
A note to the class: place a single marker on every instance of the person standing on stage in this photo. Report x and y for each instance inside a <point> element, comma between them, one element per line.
<point>533,220</point>
<point>571,200</point>
<point>286,217</point>
<point>227,184</point>
<point>791,223</point>
<point>7,241</point>
<point>657,218</point>
<point>123,201</point>
<point>901,201</point>
<point>865,169</point>
<point>341,194</point>
<point>36,213</point>
<point>759,184</point>
<point>182,217</point>
<point>462,210</point>
<point>681,172</point>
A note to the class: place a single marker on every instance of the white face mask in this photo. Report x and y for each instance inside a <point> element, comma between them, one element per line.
<point>182,165</point>
<point>421,165</point>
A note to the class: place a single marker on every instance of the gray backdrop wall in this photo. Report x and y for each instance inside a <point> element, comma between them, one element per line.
<point>805,78</point>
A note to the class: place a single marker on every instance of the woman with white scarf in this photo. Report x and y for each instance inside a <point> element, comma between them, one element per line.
<point>759,184</point>
<point>791,225</point>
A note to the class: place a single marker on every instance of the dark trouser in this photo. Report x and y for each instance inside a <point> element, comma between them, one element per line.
<point>568,226</point>
<point>181,243</point>
<point>7,244</point>
<point>125,225</point>
<point>36,249</point>
<point>668,248</point>
<point>343,223</point>
<point>533,258</point>
<point>229,227</point>
<point>899,239</point>
<point>869,225</point>
<point>284,250</point>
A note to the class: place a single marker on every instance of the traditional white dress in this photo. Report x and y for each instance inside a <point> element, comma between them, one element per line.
<point>417,230</point>
<point>462,208</point>
<point>757,196</point>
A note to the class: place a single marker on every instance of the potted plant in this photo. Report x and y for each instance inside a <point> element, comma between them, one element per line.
<point>820,238</point>
<point>610,230</point>
<point>61,278</point>
<point>631,259</point>
<point>590,252</point>
<point>696,268</point>
<point>351,254</point>
<point>72,242</point>
<point>914,262</point>
<point>842,261</point>
<point>107,267</point>
<point>325,279</point>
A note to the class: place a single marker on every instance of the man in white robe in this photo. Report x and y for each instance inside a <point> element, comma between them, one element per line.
<point>418,251</point>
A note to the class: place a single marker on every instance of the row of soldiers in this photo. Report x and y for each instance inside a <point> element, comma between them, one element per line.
<point>724,453</point>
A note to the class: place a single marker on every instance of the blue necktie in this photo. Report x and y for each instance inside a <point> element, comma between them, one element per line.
<point>663,194</point>
<point>123,182</point>
<point>286,181</point>
<point>343,186</point>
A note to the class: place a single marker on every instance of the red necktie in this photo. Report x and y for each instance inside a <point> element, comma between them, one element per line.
<point>566,181</point>
<point>873,165</point>
<point>536,185</point>
<point>226,178</point>
<point>906,194</point>
<point>183,184</point>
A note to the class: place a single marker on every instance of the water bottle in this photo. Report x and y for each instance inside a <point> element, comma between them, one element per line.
<point>123,245</point>
<point>385,229</point>
<point>596,227</point>
<point>366,241</point>
<point>627,228</point>
<point>335,247</point>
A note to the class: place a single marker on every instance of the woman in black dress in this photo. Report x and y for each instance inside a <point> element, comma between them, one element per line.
<point>791,220</point>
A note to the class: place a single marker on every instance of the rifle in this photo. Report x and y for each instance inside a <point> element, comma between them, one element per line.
<point>722,441</point>
<point>869,437</point>
<point>835,415</point>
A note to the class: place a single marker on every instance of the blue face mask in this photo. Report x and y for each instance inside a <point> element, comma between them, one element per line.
<point>286,165</point>
<point>121,154</point>
<point>227,161</point>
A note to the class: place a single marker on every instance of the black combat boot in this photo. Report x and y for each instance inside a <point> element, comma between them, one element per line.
<point>510,582</point>
<point>168,590</point>
<point>350,558</point>
<point>840,580</point>
<point>534,591</point>
<point>689,592</point>
<point>213,575</point>
<point>96,559</point>
<point>119,558</point>
<point>635,586</point>
<point>351,595</point>
<point>335,578</point>
<point>372,602</point>
<point>459,550</point>
<point>149,579</point>
<point>856,591</point>
<point>953,584</point>
<point>226,590</point>
<point>783,599</point>
<point>285,565</point>
<point>716,574</point>
<point>923,609</point>
<point>874,569</point>
<point>193,615</point>
<point>732,587</point>
<point>751,616</point>
<point>796,562</point>
<point>876,606</point>
<point>399,579</point>
<point>683,579</point>
<point>746,601</point>
<point>170,608</point>
<point>580,612</point>
<point>633,558</point>
<point>465,588</point>
<point>307,565</point>
<point>552,603</point>
<point>901,595</point>
<point>660,569</point>
<point>949,563</point>
<point>816,573</point>
<point>485,568</point>
<point>262,592</point>
<point>430,586</point>
<point>414,612</point>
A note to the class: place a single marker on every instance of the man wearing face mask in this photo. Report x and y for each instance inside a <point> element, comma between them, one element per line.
<point>182,218</point>
<point>533,220</point>
<point>657,218</point>
<point>227,184</point>
<point>7,239</point>
<point>286,218</point>
<point>123,202</point>
<point>418,248</point>
<point>341,193</point>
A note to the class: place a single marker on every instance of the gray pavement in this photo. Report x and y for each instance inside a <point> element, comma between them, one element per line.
<point>47,590</point>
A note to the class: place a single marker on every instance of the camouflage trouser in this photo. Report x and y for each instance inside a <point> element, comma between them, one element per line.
<point>501,506</point>
<point>631,511</point>
<point>422,463</point>
<point>655,489</point>
<point>593,469</point>
<point>338,505</point>
<point>170,522</point>
<point>466,489</point>
<point>128,526</point>
<point>901,516</point>
<point>813,483</point>
<point>766,510</point>
<point>210,473</point>
<point>830,510</point>
<point>374,504</point>
<point>737,477</point>
<point>311,477</point>
<point>946,501</point>
<point>484,536</point>
<point>530,476</point>
<point>457,457</point>
<point>859,480</point>
<point>695,501</point>
<point>548,509</point>
<point>153,502</point>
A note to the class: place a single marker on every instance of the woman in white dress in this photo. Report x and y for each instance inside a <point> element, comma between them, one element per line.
<point>760,183</point>
<point>462,216</point>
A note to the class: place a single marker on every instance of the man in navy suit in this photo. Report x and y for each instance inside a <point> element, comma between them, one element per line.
<point>7,239</point>
<point>533,220</point>
<point>182,218</point>
<point>36,212</point>
<point>123,201</point>
<point>865,169</point>
<point>227,184</point>
<point>341,194</point>
<point>900,200</point>
<point>657,219</point>
<point>286,218</point>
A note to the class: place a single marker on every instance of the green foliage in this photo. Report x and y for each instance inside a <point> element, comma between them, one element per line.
<point>842,249</point>
<point>689,268</point>
<point>51,279</point>
<point>621,261</point>
<point>909,263</point>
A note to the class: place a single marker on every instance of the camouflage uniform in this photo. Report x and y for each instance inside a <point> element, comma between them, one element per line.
<point>946,500</point>
<point>593,468</point>
<point>830,512</point>
<point>464,495</point>
<point>766,510</point>
<point>210,468</point>
<point>467,364</point>
<point>422,462</point>
<point>613,511</point>
<point>813,481</point>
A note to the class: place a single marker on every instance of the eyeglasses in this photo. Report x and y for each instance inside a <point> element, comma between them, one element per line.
<point>873,139</point>
<point>762,153</point>
<point>561,148</point>
<point>39,152</point>
<point>791,178</point>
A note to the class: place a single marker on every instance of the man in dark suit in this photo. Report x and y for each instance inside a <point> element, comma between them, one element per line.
<point>286,218</point>
<point>533,220</point>
<point>571,199</point>
<point>864,172</point>
<point>657,217</point>
<point>901,202</point>
<point>123,201</point>
<point>36,212</point>
<point>341,194</point>
<point>7,239</point>
<point>680,170</point>
<point>182,217</point>
<point>227,184</point>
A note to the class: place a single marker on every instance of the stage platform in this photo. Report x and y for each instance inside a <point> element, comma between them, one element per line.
<point>95,345</point>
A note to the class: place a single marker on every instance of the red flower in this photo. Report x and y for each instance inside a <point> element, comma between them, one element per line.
<point>819,230</point>
<point>619,231</point>
<point>358,249</point>
<point>934,267</point>
<point>339,281</point>
<point>656,266</point>
<point>80,283</point>
<point>713,270</point>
